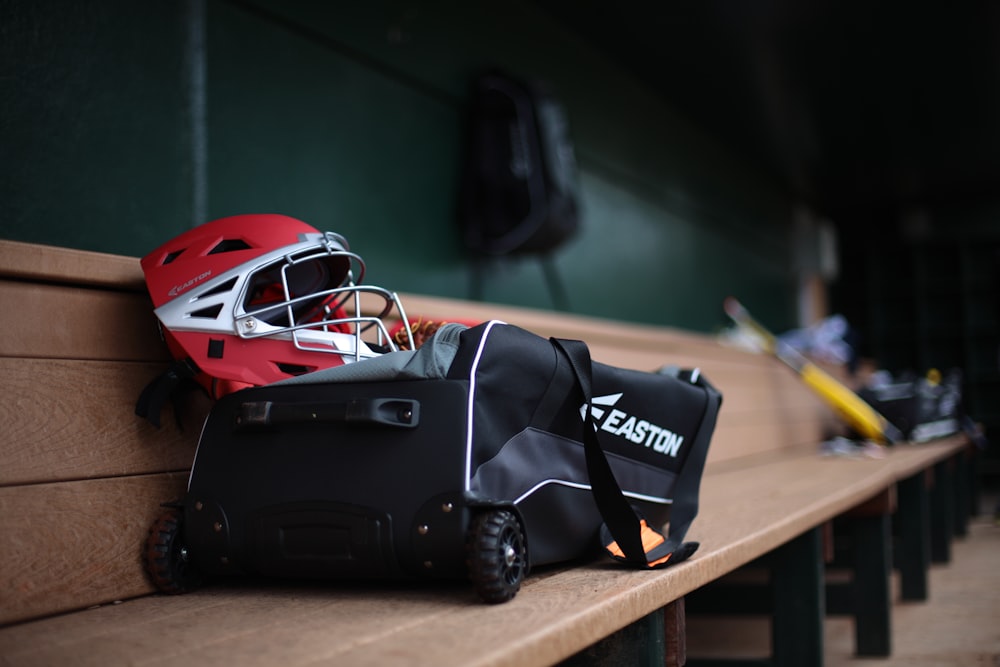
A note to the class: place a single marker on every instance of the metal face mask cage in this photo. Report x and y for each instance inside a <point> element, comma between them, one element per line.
<point>293,296</point>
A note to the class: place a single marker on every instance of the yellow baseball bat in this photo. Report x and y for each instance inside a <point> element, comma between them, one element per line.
<point>860,416</point>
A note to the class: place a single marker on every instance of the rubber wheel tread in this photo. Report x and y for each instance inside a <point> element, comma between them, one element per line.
<point>497,558</point>
<point>167,569</point>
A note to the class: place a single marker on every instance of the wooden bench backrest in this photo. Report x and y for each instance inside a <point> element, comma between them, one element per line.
<point>82,477</point>
<point>765,406</point>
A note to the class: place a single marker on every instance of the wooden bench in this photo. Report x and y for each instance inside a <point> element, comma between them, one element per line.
<point>82,479</point>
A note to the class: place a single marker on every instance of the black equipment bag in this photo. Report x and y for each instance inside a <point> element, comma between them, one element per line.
<point>519,184</point>
<point>485,452</point>
<point>921,408</point>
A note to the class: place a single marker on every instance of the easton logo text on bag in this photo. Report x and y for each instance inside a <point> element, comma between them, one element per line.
<point>639,431</point>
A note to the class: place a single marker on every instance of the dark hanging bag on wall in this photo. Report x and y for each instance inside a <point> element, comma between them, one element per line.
<point>519,185</point>
<point>487,451</point>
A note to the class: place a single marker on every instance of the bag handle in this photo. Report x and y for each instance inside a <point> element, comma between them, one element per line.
<point>399,412</point>
<point>626,536</point>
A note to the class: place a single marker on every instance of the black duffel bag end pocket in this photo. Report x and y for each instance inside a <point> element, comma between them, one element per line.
<point>625,535</point>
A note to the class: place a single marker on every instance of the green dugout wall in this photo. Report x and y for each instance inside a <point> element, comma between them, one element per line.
<point>124,123</point>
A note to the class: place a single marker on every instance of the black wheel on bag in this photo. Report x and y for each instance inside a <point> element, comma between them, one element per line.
<point>166,557</point>
<point>497,555</point>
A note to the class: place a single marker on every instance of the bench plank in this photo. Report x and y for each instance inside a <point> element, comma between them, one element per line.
<point>594,330</point>
<point>54,321</point>
<point>736,439</point>
<point>69,420</point>
<point>30,261</point>
<point>70,545</point>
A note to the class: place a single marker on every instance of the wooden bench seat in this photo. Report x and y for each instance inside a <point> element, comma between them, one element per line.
<point>83,478</point>
<point>558,612</point>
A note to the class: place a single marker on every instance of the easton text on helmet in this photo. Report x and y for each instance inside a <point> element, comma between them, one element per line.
<point>177,289</point>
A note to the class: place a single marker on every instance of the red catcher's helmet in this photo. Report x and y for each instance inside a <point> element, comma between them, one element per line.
<point>252,299</point>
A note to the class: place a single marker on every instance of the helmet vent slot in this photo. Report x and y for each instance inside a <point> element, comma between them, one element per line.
<point>294,369</point>
<point>209,313</point>
<point>229,245</point>
<point>172,256</point>
<point>220,289</point>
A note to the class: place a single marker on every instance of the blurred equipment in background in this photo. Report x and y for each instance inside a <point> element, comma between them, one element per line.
<point>519,191</point>
<point>923,408</point>
<point>858,414</point>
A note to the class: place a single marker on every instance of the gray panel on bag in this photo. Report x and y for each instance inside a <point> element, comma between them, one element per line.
<point>533,458</point>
